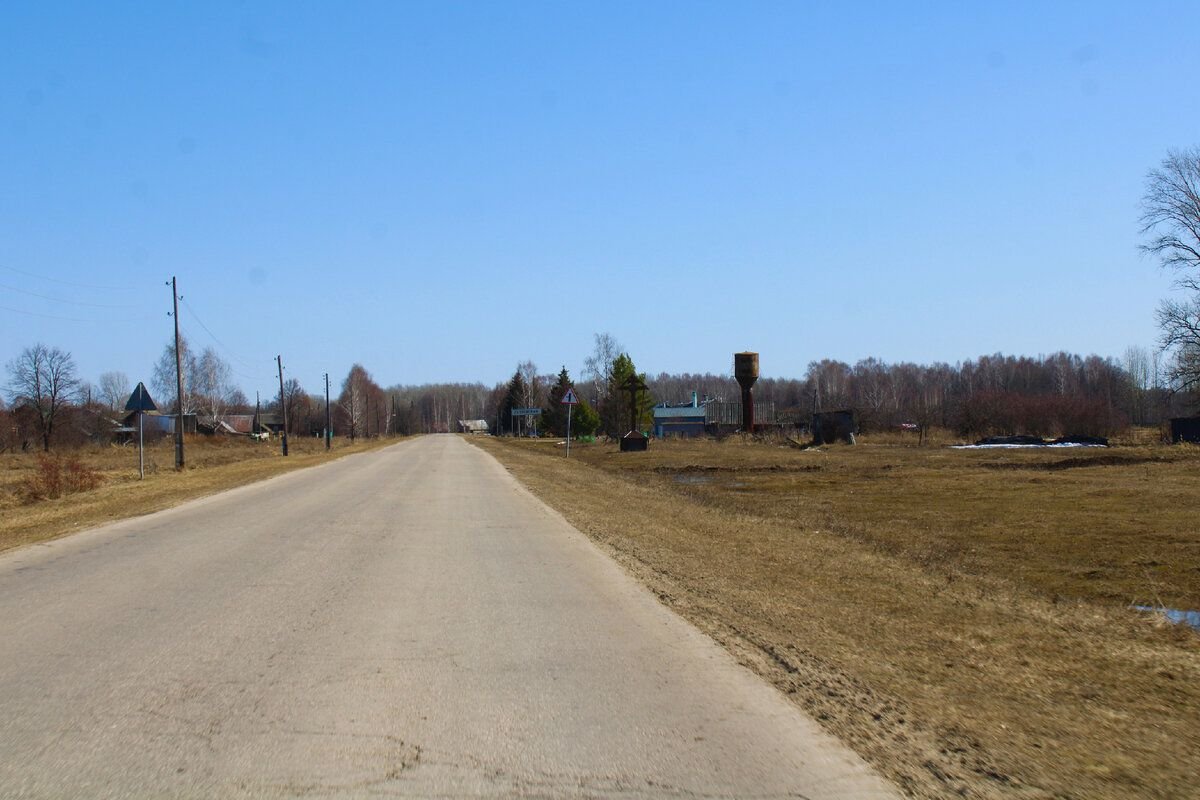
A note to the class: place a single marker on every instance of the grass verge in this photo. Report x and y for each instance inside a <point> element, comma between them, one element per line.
<point>959,618</point>
<point>213,465</point>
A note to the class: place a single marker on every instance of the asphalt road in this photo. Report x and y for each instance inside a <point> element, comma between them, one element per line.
<point>408,622</point>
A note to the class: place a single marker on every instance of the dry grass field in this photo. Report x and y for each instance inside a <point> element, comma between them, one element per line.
<point>212,465</point>
<point>960,617</point>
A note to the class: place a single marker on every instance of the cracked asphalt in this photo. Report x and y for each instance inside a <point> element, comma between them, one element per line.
<point>404,623</point>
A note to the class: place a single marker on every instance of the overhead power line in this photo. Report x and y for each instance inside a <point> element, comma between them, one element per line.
<point>64,283</point>
<point>74,319</point>
<point>63,300</point>
<point>192,312</point>
<point>46,316</point>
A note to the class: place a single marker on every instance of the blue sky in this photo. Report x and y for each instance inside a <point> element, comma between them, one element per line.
<point>440,191</point>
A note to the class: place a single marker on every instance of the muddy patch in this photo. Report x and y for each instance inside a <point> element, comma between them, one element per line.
<point>1073,463</point>
<point>705,469</point>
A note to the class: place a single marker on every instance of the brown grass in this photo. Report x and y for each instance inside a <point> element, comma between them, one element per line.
<point>106,486</point>
<point>56,476</point>
<point>960,618</point>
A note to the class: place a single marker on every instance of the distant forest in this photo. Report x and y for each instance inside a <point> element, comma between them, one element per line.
<point>1059,394</point>
<point>1049,395</point>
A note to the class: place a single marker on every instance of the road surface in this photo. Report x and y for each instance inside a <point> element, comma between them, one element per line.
<point>404,623</point>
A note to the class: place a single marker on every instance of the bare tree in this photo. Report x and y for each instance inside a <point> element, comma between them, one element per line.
<point>238,402</point>
<point>212,385</point>
<point>1139,374</point>
<point>534,384</point>
<point>597,368</point>
<point>829,383</point>
<point>1171,216</point>
<point>299,407</point>
<point>361,405</point>
<point>1180,324</point>
<point>163,376</point>
<point>114,389</point>
<point>43,380</point>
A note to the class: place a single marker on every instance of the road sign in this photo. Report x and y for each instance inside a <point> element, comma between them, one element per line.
<point>570,401</point>
<point>526,412</point>
<point>140,400</point>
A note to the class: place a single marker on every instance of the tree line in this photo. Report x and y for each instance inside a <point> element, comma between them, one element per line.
<point>1048,395</point>
<point>47,402</point>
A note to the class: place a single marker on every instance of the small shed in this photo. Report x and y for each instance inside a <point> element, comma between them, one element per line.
<point>267,423</point>
<point>154,422</point>
<point>1185,429</point>
<point>217,427</point>
<point>240,423</point>
<point>473,426</point>
<point>834,426</point>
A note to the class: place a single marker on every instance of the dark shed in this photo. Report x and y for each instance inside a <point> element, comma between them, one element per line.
<point>833,426</point>
<point>1185,429</point>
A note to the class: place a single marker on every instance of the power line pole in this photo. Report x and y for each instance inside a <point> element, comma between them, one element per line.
<point>328,431</point>
<point>282,403</point>
<point>178,381</point>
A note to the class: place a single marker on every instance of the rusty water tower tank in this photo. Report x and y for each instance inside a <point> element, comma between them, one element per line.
<point>745,369</point>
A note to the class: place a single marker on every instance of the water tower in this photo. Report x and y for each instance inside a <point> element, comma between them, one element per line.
<point>745,369</point>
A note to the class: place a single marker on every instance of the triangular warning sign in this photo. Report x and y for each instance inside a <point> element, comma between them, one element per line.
<point>140,400</point>
<point>569,399</point>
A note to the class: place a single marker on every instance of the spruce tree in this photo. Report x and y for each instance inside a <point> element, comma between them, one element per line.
<point>554,416</point>
<point>512,399</point>
<point>614,408</point>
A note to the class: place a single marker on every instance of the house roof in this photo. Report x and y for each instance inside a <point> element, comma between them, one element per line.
<point>239,423</point>
<point>672,412</point>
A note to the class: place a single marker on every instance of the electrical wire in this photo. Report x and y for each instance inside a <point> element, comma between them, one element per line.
<point>64,283</point>
<point>208,330</point>
<point>73,319</point>
<point>45,316</point>
<point>62,300</point>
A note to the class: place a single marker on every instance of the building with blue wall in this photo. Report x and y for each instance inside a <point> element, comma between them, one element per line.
<point>679,420</point>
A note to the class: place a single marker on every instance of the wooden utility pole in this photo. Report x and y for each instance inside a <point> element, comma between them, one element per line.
<point>328,431</point>
<point>178,382</point>
<point>282,403</point>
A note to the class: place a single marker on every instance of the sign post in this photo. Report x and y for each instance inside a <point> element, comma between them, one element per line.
<point>140,402</point>
<point>570,401</point>
<point>525,412</point>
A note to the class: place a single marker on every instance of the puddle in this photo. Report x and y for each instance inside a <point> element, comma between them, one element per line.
<point>692,479</point>
<point>1175,615</point>
<point>1045,446</point>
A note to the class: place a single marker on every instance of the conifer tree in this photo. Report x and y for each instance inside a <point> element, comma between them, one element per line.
<point>554,416</point>
<point>614,409</point>
<point>513,398</point>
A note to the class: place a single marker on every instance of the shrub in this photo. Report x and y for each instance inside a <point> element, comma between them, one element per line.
<point>991,413</point>
<point>57,477</point>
